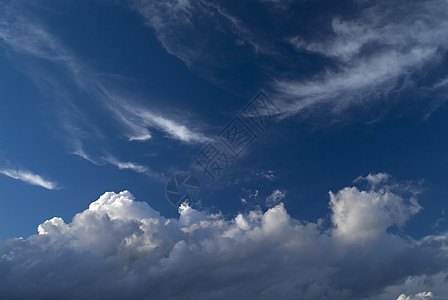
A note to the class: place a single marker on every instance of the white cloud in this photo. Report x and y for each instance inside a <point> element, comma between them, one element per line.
<point>374,179</point>
<point>121,248</point>
<point>378,50</point>
<point>248,195</point>
<point>172,128</point>
<point>22,35</point>
<point>383,43</point>
<point>359,216</point>
<point>365,78</point>
<point>173,21</point>
<point>419,296</point>
<point>127,165</point>
<point>269,175</point>
<point>30,178</point>
<point>275,198</point>
<point>414,285</point>
<point>146,136</point>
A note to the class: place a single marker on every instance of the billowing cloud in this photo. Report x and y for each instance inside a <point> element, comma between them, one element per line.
<point>419,296</point>
<point>30,178</point>
<point>122,248</point>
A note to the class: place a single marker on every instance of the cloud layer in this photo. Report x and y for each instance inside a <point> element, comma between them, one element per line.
<point>121,248</point>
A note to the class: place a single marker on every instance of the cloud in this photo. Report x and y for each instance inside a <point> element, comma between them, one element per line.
<point>127,165</point>
<point>172,128</point>
<point>121,248</point>
<point>32,46</point>
<point>205,36</point>
<point>374,179</point>
<point>359,216</point>
<point>269,175</point>
<point>275,198</point>
<point>30,178</point>
<point>122,165</point>
<point>247,195</point>
<point>419,296</point>
<point>380,50</point>
<point>372,51</point>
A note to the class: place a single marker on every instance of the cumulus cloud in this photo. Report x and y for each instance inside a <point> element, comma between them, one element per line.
<point>122,248</point>
<point>374,179</point>
<point>30,178</point>
<point>419,296</point>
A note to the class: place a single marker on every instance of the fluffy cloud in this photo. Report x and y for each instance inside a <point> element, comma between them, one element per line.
<point>360,215</point>
<point>419,296</point>
<point>121,248</point>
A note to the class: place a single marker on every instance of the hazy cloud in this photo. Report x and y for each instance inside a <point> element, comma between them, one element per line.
<point>22,35</point>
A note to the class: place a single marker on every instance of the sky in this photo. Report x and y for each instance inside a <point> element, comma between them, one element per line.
<point>186,149</point>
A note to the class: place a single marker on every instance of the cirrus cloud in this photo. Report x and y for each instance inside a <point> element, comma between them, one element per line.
<point>30,178</point>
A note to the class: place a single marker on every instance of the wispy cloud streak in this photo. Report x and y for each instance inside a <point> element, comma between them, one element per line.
<point>30,178</point>
<point>384,49</point>
<point>22,35</point>
<point>372,53</point>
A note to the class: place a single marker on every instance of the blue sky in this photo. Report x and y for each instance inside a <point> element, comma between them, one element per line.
<point>103,97</point>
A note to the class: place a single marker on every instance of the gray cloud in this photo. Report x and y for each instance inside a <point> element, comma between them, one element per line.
<point>121,248</point>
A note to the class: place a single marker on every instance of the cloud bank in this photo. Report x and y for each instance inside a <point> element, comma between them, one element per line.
<point>121,248</point>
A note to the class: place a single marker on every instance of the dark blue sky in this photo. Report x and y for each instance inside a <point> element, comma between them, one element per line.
<point>106,96</point>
